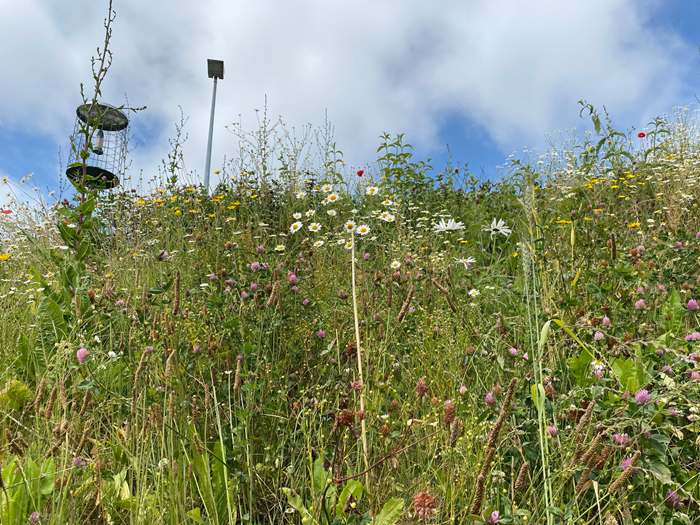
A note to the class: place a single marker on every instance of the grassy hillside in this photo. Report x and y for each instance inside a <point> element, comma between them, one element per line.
<point>312,344</point>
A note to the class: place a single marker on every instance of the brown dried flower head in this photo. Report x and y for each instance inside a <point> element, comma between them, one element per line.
<point>421,388</point>
<point>424,504</point>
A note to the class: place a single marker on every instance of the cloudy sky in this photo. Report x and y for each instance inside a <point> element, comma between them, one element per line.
<point>487,77</point>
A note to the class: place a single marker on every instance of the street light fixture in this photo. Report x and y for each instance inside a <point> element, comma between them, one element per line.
<point>216,71</point>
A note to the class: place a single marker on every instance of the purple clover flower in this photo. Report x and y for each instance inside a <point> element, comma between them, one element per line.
<point>642,398</point>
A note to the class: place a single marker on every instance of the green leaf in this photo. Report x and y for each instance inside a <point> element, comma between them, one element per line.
<point>354,489</point>
<point>629,373</point>
<point>320,475</point>
<point>297,504</point>
<point>390,513</point>
<point>661,472</point>
<point>87,207</point>
<point>14,396</point>
<point>195,515</point>
<point>672,311</point>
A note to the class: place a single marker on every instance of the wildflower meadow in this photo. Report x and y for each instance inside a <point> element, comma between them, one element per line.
<point>320,343</point>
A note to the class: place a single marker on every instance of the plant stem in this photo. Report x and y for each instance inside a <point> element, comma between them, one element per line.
<point>359,362</point>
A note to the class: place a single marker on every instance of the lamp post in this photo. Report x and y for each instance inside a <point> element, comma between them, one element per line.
<point>216,71</point>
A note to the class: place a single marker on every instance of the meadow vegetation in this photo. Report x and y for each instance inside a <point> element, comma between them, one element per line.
<point>317,343</point>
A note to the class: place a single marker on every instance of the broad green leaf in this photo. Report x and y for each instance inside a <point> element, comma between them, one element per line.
<point>390,513</point>
<point>195,515</point>
<point>354,489</point>
<point>14,396</point>
<point>297,504</point>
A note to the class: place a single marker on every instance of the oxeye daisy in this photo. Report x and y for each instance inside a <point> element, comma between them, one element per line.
<point>466,261</point>
<point>387,202</point>
<point>279,248</point>
<point>327,188</point>
<point>348,245</point>
<point>341,241</point>
<point>333,197</point>
<point>349,226</point>
<point>314,227</point>
<point>390,218</point>
<point>363,229</point>
<point>295,227</point>
<point>318,244</point>
<point>301,195</point>
<point>310,213</point>
<point>332,213</point>
<point>384,215</point>
<point>498,227</point>
<point>372,190</point>
<point>297,215</point>
<point>395,265</point>
<point>325,201</point>
<point>473,292</point>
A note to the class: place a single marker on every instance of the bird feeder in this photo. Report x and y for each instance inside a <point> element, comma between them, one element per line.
<point>107,136</point>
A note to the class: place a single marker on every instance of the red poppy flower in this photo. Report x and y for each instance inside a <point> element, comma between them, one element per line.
<point>642,135</point>
<point>5,211</point>
<point>360,173</point>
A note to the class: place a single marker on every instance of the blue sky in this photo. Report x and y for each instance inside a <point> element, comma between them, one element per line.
<point>489,78</point>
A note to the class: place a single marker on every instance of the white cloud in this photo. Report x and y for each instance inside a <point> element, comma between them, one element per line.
<point>516,69</point>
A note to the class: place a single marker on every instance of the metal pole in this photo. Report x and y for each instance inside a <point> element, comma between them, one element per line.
<point>211,134</point>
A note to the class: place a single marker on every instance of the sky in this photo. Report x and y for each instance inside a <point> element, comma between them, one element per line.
<point>486,77</point>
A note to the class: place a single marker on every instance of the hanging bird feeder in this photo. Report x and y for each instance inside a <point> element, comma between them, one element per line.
<point>108,127</point>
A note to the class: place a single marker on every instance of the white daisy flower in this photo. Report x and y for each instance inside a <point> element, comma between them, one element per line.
<point>384,215</point>
<point>450,225</point>
<point>387,202</point>
<point>295,227</point>
<point>332,213</point>
<point>349,226</point>
<point>465,261</point>
<point>363,229</point>
<point>297,215</point>
<point>310,213</point>
<point>301,195</point>
<point>372,190</point>
<point>395,265</point>
<point>318,244</point>
<point>498,227</point>
<point>473,292</point>
<point>279,248</point>
<point>389,218</point>
<point>348,245</point>
<point>341,241</point>
<point>333,198</point>
<point>325,201</point>
<point>314,227</point>
<point>327,188</point>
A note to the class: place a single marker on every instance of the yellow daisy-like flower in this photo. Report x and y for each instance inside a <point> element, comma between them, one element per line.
<point>5,256</point>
